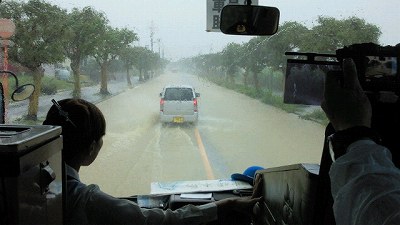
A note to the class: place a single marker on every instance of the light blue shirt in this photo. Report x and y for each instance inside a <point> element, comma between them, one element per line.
<point>365,186</point>
<point>87,204</point>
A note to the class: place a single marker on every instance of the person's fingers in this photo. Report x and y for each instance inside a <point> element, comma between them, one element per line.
<point>260,199</point>
<point>258,186</point>
<point>252,203</point>
<point>350,79</point>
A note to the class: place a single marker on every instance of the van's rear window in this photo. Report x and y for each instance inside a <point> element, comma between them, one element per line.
<point>178,94</point>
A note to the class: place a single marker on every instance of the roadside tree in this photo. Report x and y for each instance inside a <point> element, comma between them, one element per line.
<point>290,37</point>
<point>129,56</point>
<point>146,61</point>
<point>230,55</point>
<point>41,42</point>
<point>256,59</point>
<point>330,34</point>
<point>86,26</point>
<point>110,46</point>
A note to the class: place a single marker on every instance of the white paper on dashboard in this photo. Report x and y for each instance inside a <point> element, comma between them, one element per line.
<point>197,195</point>
<point>197,186</point>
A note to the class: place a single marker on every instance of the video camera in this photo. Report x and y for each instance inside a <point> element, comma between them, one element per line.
<point>377,68</point>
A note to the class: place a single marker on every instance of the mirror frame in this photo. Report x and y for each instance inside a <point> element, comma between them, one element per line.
<point>21,89</point>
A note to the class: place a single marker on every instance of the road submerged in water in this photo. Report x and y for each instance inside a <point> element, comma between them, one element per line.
<point>236,132</point>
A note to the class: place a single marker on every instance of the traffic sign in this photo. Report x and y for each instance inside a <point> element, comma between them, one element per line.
<point>214,8</point>
<point>7,28</point>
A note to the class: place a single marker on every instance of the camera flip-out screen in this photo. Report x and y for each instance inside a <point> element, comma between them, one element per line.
<point>380,74</point>
<point>304,80</point>
<point>381,67</point>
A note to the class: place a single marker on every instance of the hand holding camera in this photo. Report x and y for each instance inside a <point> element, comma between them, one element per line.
<point>346,104</point>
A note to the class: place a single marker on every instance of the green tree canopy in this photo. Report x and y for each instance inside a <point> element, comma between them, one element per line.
<point>129,56</point>
<point>230,54</point>
<point>86,26</point>
<point>290,37</point>
<point>145,60</point>
<point>330,34</point>
<point>326,36</point>
<point>113,41</point>
<point>41,33</point>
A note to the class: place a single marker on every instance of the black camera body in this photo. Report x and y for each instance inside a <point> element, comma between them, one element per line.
<point>378,73</point>
<point>377,66</point>
<point>377,69</point>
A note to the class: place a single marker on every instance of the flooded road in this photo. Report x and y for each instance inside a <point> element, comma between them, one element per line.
<point>233,133</point>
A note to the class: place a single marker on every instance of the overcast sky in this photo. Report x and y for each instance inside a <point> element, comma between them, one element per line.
<point>180,25</point>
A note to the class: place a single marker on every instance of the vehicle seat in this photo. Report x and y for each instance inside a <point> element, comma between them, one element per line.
<point>289,195</point>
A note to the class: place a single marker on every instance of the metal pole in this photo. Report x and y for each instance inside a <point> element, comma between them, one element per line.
<point>5,79</point>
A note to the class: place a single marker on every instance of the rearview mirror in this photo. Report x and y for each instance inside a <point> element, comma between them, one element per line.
<point>249,20</point>
<point>23,92</point>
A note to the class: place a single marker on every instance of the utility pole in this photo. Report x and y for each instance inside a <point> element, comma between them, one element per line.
<point>152,35</point>
<point>159,47</point>
<point>7,30</point>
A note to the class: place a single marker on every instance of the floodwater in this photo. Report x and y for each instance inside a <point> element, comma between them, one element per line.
<point>233,133</point>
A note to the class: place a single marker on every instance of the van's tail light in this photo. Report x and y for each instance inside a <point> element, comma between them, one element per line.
<point>162,105</point>
<point>195,104</point>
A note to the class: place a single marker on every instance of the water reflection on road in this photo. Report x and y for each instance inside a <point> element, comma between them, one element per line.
<point>235,131</point>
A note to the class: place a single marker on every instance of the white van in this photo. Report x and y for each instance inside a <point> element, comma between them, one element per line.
<point>179,104</point>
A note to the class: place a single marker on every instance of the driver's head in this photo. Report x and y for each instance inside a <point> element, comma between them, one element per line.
<point>82,132</point>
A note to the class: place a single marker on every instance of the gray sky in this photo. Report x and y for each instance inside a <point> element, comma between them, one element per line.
<point>180,24</point>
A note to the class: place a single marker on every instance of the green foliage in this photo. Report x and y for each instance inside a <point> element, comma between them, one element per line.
<point>43,36</point>
<point>49,88</point>
<point>26,121</point>
<point>51,85</point>
<point>272,79</point>
<point>86,26</point>
<point>129,56</point>
<point>317,115</point>
<point>92,69</point>
<point>277,101</point>
<point>327,35</point>
<point>143,58</point>
<point>251,92</point>
<point>269,98</point>
<point>229,55</point>
<point>290,37</point>
<point>111,43</point>
<point>23,79</point>
<point>330,34</point>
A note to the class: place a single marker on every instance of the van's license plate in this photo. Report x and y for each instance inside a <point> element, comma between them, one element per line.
<point>178,119</point>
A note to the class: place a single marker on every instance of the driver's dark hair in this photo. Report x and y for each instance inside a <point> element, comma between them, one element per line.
<point>87,124</point>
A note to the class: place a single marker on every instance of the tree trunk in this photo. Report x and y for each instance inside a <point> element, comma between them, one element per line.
<point>103,84</point>
<point>77,83</point>
<point>128,79</point>
<point>269,81</point>
<point>230,73</point>
<point>140,74</point>
<point>34,99</point>
<point>246,78</point>
<point>256,80</point>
